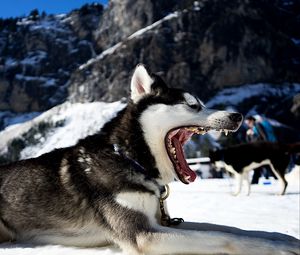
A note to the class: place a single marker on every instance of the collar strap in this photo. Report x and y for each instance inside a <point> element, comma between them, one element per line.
<point>137,166</point>
<point>165,219</point>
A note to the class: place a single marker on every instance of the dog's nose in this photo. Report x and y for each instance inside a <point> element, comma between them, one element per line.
<point>236,117</point>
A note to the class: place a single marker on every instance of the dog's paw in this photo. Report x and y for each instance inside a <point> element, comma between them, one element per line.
<point>286,249</point>
<point>267,247</point>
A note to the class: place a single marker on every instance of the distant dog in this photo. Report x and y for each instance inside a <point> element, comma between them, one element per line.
<point>241,159</point>
<point>108,188</point>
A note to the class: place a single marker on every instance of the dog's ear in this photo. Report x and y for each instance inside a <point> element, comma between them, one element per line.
<point>141,83</point>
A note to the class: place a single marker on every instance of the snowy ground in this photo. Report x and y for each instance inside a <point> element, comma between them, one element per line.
<point>209,201</point>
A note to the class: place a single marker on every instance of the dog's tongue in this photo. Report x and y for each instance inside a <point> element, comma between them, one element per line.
<point>188,174</point>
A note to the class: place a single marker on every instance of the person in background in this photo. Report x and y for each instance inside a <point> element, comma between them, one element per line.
<point>259,129</point>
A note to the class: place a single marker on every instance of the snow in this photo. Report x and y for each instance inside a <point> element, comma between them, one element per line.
<point>10,118</point>
<point>10,62</point>
<point>104,53</point>
<point>24,249</point>
<point>209,201</point>
<point>79,121</point>
<point>51,25</point>
<point>154,25</point>
<point>46,80</point>
<point>234,96</point>
<point>34,58</point>
<point>61,16</point>
<point>295,41</point>
<point>25,22</point>
<point>196,6</point>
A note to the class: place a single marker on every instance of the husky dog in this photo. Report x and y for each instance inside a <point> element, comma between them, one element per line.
<point>241,159</point>
<point>107,188</point>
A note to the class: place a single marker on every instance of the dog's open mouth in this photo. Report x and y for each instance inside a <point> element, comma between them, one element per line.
<point>175,139</point>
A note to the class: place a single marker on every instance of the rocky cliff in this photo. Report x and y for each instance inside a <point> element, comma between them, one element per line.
<point>202,46</point>
<point>38,54</point>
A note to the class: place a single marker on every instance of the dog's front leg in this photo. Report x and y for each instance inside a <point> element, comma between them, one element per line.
<point>247,179</point>
<point>132,221</point>
<point>239,183</point>
<point>168,241</point>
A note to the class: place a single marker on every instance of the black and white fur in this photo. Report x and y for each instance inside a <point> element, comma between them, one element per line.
<point>106,188</point>
<point>240,159</point>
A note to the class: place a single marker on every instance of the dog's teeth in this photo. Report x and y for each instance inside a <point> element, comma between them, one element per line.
<point>197,130</point>
<point>226,132</point>
<point>187,178</point>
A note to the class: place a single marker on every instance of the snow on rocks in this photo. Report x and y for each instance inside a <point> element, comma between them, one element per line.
<point>112,49</point>
<point>66,124</point>
<point>233,96</point>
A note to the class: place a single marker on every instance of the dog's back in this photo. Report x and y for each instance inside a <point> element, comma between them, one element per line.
<point>245,157</point>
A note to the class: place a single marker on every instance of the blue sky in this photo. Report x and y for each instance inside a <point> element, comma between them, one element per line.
<point>15,8</point>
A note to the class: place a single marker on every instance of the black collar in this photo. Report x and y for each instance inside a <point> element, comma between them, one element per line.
<point>136,165</point>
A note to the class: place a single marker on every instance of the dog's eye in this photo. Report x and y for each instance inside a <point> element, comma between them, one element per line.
<point>196,107</point>
<point>192,101</point>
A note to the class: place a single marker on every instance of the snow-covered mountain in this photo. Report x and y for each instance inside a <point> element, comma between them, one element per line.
<point>64,125</point>
<point>271,100</point>
<point>61,126</point>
